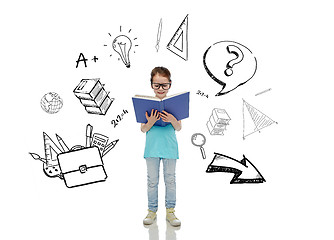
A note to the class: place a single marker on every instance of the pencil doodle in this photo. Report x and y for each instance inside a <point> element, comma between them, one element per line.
<point>244,171</point>
<point>198,140</point>
<point>51,102</point>
<point>267,90</point>
<point>122,44</point>
<point>79,165</point>
<point>218,121</point>
<point>158,35</point>
<point>238,70</point>
<point>254,120</point>
<point>93,96</point>
<point>179,42</point>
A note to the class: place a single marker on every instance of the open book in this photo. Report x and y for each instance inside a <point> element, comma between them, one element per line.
<point>177,104</point>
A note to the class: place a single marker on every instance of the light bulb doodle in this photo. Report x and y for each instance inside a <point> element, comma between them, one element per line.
<point>244,65</point>
<point>122,44</point>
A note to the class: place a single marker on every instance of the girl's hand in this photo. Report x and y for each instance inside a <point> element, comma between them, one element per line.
<point>155,116</point>
<point>167,117</point>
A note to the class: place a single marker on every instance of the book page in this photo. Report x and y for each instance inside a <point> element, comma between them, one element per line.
<point>148,97</point>
<point>176,94</point>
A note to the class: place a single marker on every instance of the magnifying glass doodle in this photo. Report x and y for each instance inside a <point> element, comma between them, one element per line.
<point>198,140</point>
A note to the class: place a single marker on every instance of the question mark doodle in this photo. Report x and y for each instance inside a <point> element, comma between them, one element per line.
<point>232,49</point>
<point>227,76</point>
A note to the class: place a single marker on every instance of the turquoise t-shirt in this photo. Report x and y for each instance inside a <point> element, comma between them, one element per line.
<point>161,142</point>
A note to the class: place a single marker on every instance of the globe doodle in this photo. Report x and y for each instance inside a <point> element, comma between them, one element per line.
<point>51,102</point>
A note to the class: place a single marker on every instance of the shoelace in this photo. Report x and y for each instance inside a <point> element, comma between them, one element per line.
<point>150,215</point>
<point>171,214</point>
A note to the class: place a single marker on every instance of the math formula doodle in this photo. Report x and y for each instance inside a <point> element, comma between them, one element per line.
<point>119,118</point>
<point>199,92</point>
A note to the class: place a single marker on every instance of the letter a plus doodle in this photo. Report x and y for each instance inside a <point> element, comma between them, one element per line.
<point>81,58</point>
<point>95,59</point>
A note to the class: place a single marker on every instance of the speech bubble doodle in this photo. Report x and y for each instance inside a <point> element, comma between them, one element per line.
<point>230,64</point>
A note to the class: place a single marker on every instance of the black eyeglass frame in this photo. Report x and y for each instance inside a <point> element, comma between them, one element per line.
<point>161,85</point>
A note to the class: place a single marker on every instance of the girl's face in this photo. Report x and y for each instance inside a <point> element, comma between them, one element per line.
<point>160,91</point>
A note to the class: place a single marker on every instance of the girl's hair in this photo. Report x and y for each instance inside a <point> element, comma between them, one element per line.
<point>162,71</point>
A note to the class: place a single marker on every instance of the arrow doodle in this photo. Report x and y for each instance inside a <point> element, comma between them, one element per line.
<point>244,171</point>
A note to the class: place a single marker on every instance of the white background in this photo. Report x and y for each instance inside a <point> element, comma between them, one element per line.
<point>293,44</point>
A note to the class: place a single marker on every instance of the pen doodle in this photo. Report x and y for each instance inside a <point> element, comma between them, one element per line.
<point>244,171</point>
<point>254,120</point>
<point>179,42</point>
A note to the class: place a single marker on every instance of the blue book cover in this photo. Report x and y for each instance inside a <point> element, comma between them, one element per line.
<point>177,104</point>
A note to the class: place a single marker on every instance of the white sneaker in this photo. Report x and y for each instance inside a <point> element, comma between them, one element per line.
<point>149,219</point>
<point>171,218</point>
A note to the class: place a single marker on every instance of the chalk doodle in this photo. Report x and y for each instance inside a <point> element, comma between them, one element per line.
<point>198,140</point>
<point>79,165</point>
<point>218,121</point>
<point>122,44</point>
<point>244,171</point>
<point>51,102</point>
<point>158,35</point>
<point>93,96</point>
<point>240,65</point>
<point>179,42</point>
<point>254,120</point>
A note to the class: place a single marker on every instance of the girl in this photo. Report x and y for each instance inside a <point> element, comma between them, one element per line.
<point>161,145</point>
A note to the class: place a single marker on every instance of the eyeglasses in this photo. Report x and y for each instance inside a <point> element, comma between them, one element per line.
<point>165,86</point>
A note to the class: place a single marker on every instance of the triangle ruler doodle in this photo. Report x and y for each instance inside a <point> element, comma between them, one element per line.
<point>179,42</point>
<point>254,120</point>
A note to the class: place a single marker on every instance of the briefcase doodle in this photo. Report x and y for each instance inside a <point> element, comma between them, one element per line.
<point>81,167</point>
<point>78,165</point>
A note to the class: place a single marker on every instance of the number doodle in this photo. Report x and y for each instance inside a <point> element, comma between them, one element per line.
<point>119,118</point>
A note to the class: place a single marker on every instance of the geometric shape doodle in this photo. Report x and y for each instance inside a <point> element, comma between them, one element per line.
<point>254,120</point>
<point>179,42</point>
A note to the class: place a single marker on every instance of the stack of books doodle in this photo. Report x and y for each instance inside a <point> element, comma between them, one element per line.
<point>218,121</point>
<point>93,96</point>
